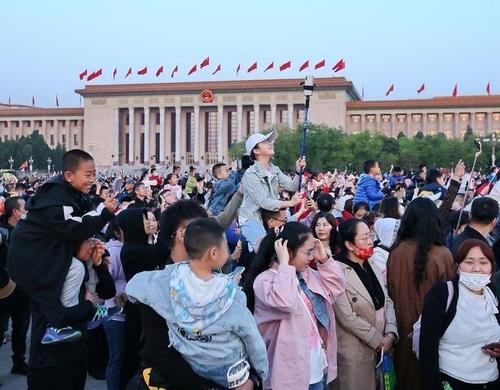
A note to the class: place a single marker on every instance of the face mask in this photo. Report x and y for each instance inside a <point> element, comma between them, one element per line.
<point>474,281</point>
<point>364,253</point>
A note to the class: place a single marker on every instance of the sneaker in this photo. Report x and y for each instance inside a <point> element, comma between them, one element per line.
<point>19,369</point>
<point>62,335</point>
<point>103,314</point>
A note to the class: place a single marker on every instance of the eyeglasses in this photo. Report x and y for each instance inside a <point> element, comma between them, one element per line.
<point>366,238</point>
<point>308,252</point>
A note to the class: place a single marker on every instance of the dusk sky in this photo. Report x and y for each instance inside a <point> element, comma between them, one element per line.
<point>46,44</point>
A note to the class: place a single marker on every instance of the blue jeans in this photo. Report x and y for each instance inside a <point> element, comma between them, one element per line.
<point>320,385</point>
<point>115,333</point>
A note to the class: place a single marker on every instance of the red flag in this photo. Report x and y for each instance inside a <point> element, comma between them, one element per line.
<point>143,71</point>
<point>286,65</point>
<point>176,69</point>
<point>238,69</point>
<point>319,64</point>
<point>33,101</point>
<point>193,69</point>
<point>304,66</point>
<point>252,67</point>
<point>421,89</point>
<point>114,73</point>
<point>455,91</point>
<point>24,165</point>
<point>391,89</point>
<point>339,66</point>
<point>270,66</point>
<point>94,75</point>
<point>159,71</point>
<point>129,72</point>
<point>218,69</point>
<point>83,74</point>
<point>57,101</point>
<point>205,62</point>
<point>488,88</point>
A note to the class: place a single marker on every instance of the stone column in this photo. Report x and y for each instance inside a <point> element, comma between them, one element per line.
<point>116,124</point>
<point>256,118</point>
<point>424,124</point>
<point>273,115</point>
<point>290,115</point>
<point>220,111</point>
<point>162,134</point>
<point>440,122</point>
<point>56,131</point>
<point>131,135</point>
<point>178,134</point>
<point>363,123</point>
<point>377,122</point>
<point>473,121</point>
<point>393,125</point>
<point>146,136</point>
<point>239,122</point>
<point>488,122</point>
<point>455,124</point>
<point>408,124</point>
<point>196,134</point>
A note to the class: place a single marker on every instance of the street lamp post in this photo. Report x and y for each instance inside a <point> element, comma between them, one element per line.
<point>11,162</point>
<point>49,161</point>
<point>31,161</point>
<point>493,140</point>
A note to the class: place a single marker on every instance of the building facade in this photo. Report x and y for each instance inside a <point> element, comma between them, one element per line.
<point>197,122</point>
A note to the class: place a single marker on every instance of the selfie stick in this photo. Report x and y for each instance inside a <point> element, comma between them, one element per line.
<point>479,148</point>
<point>308,86</point>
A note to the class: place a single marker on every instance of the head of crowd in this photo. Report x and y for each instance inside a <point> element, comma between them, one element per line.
<point>231,276</point>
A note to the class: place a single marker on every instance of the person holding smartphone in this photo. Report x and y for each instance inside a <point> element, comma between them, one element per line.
<point>460,333</point>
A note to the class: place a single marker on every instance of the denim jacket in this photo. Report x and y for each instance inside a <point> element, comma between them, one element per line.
<point>211,338</point>
<point>261,190</point>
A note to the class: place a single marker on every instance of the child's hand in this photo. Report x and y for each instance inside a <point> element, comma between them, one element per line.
<point>236,254</point>
<point>281,249</point>
<point>97,252</point>
<point>111,203</point>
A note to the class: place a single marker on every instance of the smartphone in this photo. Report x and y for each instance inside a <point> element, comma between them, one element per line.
<point>477,142</point>
<point>236,274</point>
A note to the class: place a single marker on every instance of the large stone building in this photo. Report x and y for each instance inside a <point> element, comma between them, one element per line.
<point>196,122</point>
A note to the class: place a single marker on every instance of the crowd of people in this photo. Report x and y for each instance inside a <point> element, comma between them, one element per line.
<point>236,278</point>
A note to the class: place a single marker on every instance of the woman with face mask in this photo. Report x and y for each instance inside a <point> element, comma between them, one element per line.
<point>457,330</point>
<point>366,322</point>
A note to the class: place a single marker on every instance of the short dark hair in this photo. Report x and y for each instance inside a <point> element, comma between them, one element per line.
<point>201,235</point>
<point>325,202</point>
<point>484,210</point>
<point>368,165</point>
<point>389,207</point>
<point>360,205</point>
<point>433,174</point>
<point>137,185</point>
<point>216,169</point>
<point>467,245</point>
<point>397,169</point>
<point>103,188</point>
<point>176,214</point>
<point>73,158</point>
<point>11,204</point>
<point>170,175</point>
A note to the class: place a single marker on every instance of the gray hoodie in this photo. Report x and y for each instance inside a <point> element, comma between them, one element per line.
<point>208,322</point>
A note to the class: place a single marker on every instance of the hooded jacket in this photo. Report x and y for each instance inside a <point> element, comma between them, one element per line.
<point>208,321</point>
<point>42,245</point>
<point>136,254</point>
<point>368,190</point>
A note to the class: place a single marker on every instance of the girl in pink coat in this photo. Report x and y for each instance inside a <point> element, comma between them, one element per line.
<point>292,304</point>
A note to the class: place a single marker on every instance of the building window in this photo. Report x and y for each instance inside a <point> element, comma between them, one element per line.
<point>143,118</point>
<point>480,116</point>
<point>157,147</point>
<point>370,118</point>
<point>386,118</point>
<point>172,133</point>
<point>300,116</point>
<point>64,139</point>
<point>17,137</point>
<point>75,139</point>
<point>212,132</point>
<point>189,132</point>
<point>27,123</point>
<point>157,118</point>
<point>142,148</point>
<point>417,117</point>
<point>5,138</point>
<point>464,117</point>
<point>283,116</point>
<point>16,123</point>
<point>251,122</point>
<point>52,140</point>
<point>75,122</point>
<point>127,146</point>
<point>127,120</point>
<point>62,123</point>
<point>267,116</point>
<point>432,117</point>
<point>496,116</point>
<point>448,117</point>
<point>232,127</point>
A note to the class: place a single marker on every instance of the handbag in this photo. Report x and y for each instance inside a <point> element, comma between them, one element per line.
<point>385,373</point>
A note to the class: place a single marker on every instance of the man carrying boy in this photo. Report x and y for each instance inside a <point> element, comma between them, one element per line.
<point>206,312</point>
<point>40,254</point>
<point>225,186</point>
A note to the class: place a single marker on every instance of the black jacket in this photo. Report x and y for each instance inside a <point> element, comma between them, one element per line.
<point>42,245</point>
<point>435,320</point>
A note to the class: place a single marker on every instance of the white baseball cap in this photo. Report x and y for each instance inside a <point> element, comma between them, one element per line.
<point>257,138</point>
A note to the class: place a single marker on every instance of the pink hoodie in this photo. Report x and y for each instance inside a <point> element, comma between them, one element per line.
<point>283,321</point>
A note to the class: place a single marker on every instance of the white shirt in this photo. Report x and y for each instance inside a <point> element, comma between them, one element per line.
<point>474,326</point>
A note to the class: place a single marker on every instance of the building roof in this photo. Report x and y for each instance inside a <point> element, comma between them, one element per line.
<point>27,112</point>
<point>4,106</point>
<point>232,86</point>
<point>480,101</point>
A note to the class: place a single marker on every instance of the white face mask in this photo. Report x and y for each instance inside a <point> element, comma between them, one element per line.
<point>474,281</point>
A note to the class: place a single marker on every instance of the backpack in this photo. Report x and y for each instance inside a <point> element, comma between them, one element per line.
<point>415,335</point>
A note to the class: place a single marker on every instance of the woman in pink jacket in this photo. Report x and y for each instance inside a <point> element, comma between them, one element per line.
<point>293,308</point>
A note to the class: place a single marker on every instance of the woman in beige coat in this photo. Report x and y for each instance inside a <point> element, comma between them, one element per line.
<point>366,322</point>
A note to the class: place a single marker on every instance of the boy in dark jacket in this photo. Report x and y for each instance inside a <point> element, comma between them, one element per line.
<point>43,245</point>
